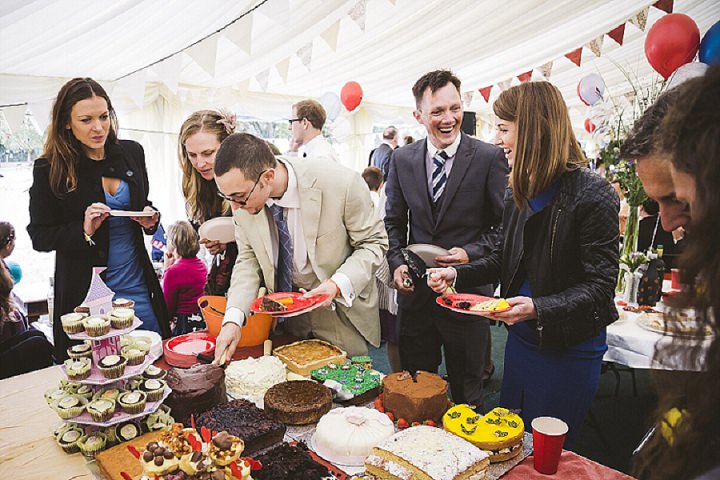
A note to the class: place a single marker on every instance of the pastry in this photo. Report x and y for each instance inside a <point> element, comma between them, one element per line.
<point>68,439</point>
<point>92,444</point>
<point>306,355</point>
<point>297,402</point>
<point>72,322</point>
<point>158,460</point>
<point>156,373</point>
<point>110,393</point>
<point>96,326</point>
<point>101,410</point>
<point>494,305</point>
<point>251,378</point>
<point>110,436</point>
<point>155,389</point>
<point>84,391</point>
<point>269,305</point>
<point>225,448</point>
<point>134,355</point>
<point>179,439</point>
<point>126,431</point>
<point>79,351</point>
<point>427,453</point>
<point>415,398</point>
<point>55,394</point>
<point>112,366</point>
<point>82,308</point>
<point>194,463</point>
<point>286,462</point>
<point>69,407</point>
<point>78,368</point>
<point>132,402</point>
<point>123,303</point>
<point>121,318</point>
<point>499,433</point>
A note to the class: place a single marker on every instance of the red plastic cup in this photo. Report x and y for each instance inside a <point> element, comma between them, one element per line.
<point>675,279</point>
<point>548,439</point>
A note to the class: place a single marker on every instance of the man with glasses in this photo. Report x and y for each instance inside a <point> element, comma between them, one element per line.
<point>306,123</point>
<point>301,225</point>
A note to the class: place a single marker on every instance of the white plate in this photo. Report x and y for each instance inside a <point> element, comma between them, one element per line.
<point>125,213</point>
<point>428,253</point>
<point>221,229</point>
<point>156,347</point>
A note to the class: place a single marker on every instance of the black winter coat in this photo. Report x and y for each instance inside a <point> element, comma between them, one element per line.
<point>57,224</point>
<point>568,252</point>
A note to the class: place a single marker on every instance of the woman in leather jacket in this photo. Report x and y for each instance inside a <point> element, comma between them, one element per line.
<point>557,261</point>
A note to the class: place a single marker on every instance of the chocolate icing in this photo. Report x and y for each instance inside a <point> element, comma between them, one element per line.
<point>286,462</point>
<point>195,390</point>
<point>298,402</point>
<point>415,398</point>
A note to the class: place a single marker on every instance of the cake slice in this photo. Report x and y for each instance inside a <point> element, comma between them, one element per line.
<point>270,305</point>
<point>306,355</point>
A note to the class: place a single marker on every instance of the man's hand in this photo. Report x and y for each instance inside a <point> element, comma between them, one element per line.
<point>457,256</point>
<point>226,342</point>
<point>328,287</point>
<point>213,246</point>
<point>523,309</point>
<point>148,222</point>
<point>440,279</point>
<point>402,279</point>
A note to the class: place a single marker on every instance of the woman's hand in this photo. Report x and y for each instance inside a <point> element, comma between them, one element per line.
<point>440,279</point>
<point>213,246</point>
<point>95,215</point>
<point>148,222</point>
<point>523,309</point>
<point>169,259</point>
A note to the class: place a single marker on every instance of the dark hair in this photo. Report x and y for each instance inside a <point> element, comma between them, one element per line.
<point>644,138</point>
<point>7,233</point>
<point>248,153</point>
<point>62,150</point>
<point>408,139</point>
<point>312,111</point>
<point>390,133</point>
<point>693,126</point>
<point>373,177</point>
<point>6,286</point>
<point>651,207</point>
<point>434,80</point>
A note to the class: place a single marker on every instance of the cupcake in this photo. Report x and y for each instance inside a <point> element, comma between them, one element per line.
<point>194,463</point>
<point>72,322</point>
<point>156,373</point>
<point>78,368</point>
<point>110,435</point>
<point>82,309</point>
<point>83,350</point>
<point>101,410</point>
<point>134,355</point>
<point>154,389</point>
<point>132,402</point>
<point>112,366</point>
<point>122,318</point>
<point>61,427</point>
<point>133,383</point>
<point>225,448</point>
<point>158,421</point>
<point>55,394</point>
<point>92,444</point>
<point>84,391</point>
<point>68,439</point>
<point>110,393</point>
<point>96,326</point>
<point>123,303</point>
<point>126,431</point>
<point>70,406</point>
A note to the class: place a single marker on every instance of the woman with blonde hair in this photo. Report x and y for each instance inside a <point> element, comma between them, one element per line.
<point>200,137</point>
<point>557,262</point>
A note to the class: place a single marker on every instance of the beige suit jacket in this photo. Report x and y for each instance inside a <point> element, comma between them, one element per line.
<point>342,234</point>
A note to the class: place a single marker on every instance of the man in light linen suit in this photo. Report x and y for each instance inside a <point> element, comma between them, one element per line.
<point>336,242</point>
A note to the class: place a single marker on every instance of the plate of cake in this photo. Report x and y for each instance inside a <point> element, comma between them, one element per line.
<point>682,325</point>
<point>287,304</point>
<point>472,304</point>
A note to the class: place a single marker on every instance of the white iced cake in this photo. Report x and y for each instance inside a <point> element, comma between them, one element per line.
<point>347,435</point>
<point>251,378</point>
<point>427,453</point>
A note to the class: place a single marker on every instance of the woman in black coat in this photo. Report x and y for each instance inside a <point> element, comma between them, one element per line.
<point>83,168</point>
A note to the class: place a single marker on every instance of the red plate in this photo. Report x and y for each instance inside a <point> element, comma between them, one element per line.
<point>472,299</point>
<point>298,306</point>
<point>181,351</point>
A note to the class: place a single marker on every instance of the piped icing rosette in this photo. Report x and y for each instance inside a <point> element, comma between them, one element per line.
<point>225,448</point>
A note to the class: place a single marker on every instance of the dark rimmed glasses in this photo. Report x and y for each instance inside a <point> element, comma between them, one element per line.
<point>243,202</point>
<point>291,120</point>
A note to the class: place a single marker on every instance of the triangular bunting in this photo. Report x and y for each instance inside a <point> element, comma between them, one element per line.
<point>41,113</point>
<point>278,11</point>
<point>505,84</point>
<point>134,85</point>
<point>664,5</point>
<point>169,72</point>
<point>617,33</point>
<point>595,46</point>
<point>640,20</point>
<point>305,55</point>
<point>331,35</point>
<point>524,77</point>
<point>242,87</point>
<point>575,56</point>
<point>358,13</point>
<point>546,70</point>
<point>240,33</point>
<point>485,92</point>
<point>262,79</point>
<point>282,68</point>
<point>15,117</point>
<point>467,98</point>
<point>205,54</point>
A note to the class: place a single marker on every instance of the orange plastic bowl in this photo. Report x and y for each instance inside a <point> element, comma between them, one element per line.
<point>255,331</point>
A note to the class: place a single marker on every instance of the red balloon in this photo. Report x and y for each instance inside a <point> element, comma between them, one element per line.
<point>672,42</point>
<point>589,126</point>
<point>351,95</point>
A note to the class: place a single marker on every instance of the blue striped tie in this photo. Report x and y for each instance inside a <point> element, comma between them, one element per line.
<point>283,272</point>
<point>439,177</point>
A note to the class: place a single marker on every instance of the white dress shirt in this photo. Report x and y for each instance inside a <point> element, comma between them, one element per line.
<point>318,147</point>
<point>432,151</point>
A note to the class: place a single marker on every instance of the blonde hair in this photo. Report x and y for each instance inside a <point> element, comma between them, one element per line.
<point>201,200</point>
<point>546,146</point>
<point>184,238</point>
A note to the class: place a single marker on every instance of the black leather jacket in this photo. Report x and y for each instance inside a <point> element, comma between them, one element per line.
<point>569,253</point>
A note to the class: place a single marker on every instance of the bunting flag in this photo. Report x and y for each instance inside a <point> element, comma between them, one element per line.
<point>664,5</point>
<point>205,54</point>
<point>169,72</point>
<point>134,86</point>
<point>358,13</point>
<point>524,77</point>
<point>546,70</point>
<point>41,113</point>
<point>467,98</point>
<point>575,56</point>
<point>595,46</point>
<point>331,35</point>
<point>617,34</point>
<point>305,55</point>
<point>640,19</point>
<point>278,11</point>
<point>263,79</point>
<point>15,117</point>
<point>485,92</point>
<point>282,68</point>
<point>240,33</point>
<point>505,84</point>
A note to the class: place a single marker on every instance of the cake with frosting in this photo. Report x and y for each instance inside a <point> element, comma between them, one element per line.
<point>415,398</point>
<point>251,378</point>
<point>306,355</point>
<point>298,402</point>
<point>347,435</point>
<point>499,432</point>
<point>352,383</point>
<point>427,453</point>
<point>195,390</point>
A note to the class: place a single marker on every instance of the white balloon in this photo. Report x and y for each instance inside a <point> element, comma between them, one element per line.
<point>332,105</point>
<point>685,73</point>
<point>591,88</point>
<point>341,130</point>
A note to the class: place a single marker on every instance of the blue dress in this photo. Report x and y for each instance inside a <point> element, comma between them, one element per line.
<point>559,383</point>
<point>124,274</point>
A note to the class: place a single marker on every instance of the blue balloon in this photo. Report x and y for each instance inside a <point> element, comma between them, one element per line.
<point>709,51</point>
<point>15,270</point>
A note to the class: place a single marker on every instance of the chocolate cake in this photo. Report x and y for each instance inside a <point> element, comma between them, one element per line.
<point>270,305</point>
<point>195,390</point>
<point>243,419</point>
<point>298,402</point>
<point>415,398</point>
<point>287,462</point>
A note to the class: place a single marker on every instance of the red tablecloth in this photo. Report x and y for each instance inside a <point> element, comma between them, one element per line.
<point>572,467</point>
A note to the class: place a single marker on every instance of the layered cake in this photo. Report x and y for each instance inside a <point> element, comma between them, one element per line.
<point>243,419</point>
<point>415,398</point>
<point>347,435</point>
<point>251,378</point>
<point>499,432</point>
<point>352,382</point>
<point>288,462</point>
<point>298,403</point>
<point>195,390</point>
<point>427,453</point>
<point>305,356</point>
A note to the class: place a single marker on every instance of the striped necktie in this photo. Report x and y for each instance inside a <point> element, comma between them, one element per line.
<point>283,272</point>
<point>439,177</point>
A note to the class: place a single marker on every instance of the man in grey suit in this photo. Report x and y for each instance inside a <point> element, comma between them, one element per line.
<point>447,191</point>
